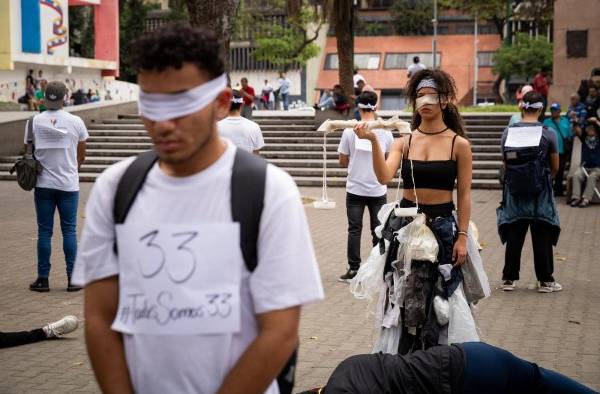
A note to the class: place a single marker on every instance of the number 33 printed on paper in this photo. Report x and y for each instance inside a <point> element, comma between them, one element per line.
<point>179,279</point>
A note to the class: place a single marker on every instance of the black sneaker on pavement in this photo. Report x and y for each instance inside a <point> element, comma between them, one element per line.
<point>348,276</point>
<point>40,285</point>
<point>508,285</point>
<point>72,287</point>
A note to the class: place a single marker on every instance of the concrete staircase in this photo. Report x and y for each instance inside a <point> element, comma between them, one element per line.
<point>291,143</point>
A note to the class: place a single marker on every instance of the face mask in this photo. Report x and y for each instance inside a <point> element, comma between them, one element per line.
<point>428,99</point>
<point>163,106</point>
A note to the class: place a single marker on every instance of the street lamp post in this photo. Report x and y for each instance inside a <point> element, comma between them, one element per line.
<point>434,43</point>
<point>475,61</point>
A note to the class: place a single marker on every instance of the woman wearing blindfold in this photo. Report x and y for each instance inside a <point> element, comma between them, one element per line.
<point>435,157</point>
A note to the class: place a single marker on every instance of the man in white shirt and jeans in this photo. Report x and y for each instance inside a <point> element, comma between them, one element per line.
<point>172,306</point>
<point>244,133</point>
<point>59,140</point>
<point>362,188</point>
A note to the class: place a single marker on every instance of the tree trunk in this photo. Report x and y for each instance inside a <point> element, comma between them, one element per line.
<point>343,19</point>
<point>496,90</point>
<point>216,15</point>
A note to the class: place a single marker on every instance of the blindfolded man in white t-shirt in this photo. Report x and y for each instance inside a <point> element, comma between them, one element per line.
<point>174,308</point>
<point>362,188</point>
<point>244,133</point>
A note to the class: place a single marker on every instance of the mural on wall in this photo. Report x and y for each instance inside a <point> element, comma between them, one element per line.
<point>57,36</point>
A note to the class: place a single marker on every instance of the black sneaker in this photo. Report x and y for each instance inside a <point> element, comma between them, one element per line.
<point>40,285</point>
<point>348,276</point>
<point>508,285</point>
<point>72,287</point>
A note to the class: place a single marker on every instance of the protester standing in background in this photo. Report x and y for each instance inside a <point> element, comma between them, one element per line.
<point>592,102</point>
<point>564,136</point>
<point>415,67</point>
<point>266,95</point>
<point>362,188</point>
<point>527,199</point>
<point>516,118</point>
<point>39,95</point>
<point>59,139</point>
<point>541,84</point>
<point>244,133</point>
<point>249,96</point>
<point>284,90</point>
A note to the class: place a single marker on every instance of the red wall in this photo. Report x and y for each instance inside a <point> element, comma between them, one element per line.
<point>457,52</point>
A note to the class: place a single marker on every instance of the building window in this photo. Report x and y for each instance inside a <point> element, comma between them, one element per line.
<point>403,60</point>
<point>485,59</point>
<point>577,43</point>
<point>392,100</point>
<point>362,61</point>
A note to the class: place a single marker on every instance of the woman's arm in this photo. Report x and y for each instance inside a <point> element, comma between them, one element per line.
<point>385,170</point>
<point>464,160</point>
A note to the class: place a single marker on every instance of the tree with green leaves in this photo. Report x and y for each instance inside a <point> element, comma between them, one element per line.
<point>132,24</point>
<point>412,17</point>
<point>293,42</point>
<point>526,57</point>
<point>489,10</point>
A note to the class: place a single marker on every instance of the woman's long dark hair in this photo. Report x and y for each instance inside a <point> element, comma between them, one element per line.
<point>446,88</point>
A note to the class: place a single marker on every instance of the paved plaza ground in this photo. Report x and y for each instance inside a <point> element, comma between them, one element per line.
<point>559,331</point>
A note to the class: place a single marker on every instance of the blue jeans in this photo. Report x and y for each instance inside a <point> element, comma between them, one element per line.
<point>46,201</point>
<point>284,99</point>
<point>493,370</point>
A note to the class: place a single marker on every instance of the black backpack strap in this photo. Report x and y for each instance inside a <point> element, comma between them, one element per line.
<point>248,181</point>
<point>129,186</point>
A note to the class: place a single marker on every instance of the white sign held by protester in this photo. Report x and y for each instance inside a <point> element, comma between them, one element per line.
<point>178,279</point>
<point>522,137</point>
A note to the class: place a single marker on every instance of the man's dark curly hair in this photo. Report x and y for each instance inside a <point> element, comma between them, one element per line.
<point>176,44</point>
<point>367,97</point>
<point>446,88</point>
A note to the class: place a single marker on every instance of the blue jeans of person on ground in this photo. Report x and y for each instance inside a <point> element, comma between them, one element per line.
<point>355,208</point>
<point>46,203</point>
<point>285,101</point>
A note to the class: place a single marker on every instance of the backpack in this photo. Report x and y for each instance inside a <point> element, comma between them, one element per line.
<point>27,167</point>
<point>526,171</point>
<point>247,196</point>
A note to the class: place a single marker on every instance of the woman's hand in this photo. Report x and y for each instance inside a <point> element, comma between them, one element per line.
<point>459,253</point>
<point>363,132</point>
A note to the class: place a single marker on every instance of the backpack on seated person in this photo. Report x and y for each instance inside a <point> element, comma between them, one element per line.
<point>248,180</point>
<point>526,170</point>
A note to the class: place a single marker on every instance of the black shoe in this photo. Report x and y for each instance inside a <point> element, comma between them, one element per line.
<point>40,285</point>
<point>72,287</point>
<point>348,276</point>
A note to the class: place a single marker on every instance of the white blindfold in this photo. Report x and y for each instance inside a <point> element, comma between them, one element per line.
<point>428,99</point>
<point>163,106</point>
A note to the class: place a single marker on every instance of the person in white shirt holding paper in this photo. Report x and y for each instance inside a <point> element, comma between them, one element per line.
<point>244,133</point>
<point>362,188</point>
<point>530,155</point>
<point>59,140</point>
<point>180,295</point>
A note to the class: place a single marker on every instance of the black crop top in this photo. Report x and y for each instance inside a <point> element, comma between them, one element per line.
<point>430,174</point>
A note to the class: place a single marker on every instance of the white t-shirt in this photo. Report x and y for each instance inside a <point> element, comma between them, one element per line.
<point>286,275</point>
<point>362,180</point>
<point>415,68</point>
<point>244,133</point>
<point>56,135</point>
<point>356,78</point>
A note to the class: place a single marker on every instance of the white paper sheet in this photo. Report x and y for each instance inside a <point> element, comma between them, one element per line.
<point>521,137</point>
<point>179,279</point>
<point>48,137</point>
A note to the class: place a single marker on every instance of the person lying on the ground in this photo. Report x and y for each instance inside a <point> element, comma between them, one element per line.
<point>589,172</point>
<point>467,368</point>
<point>51,330</point>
